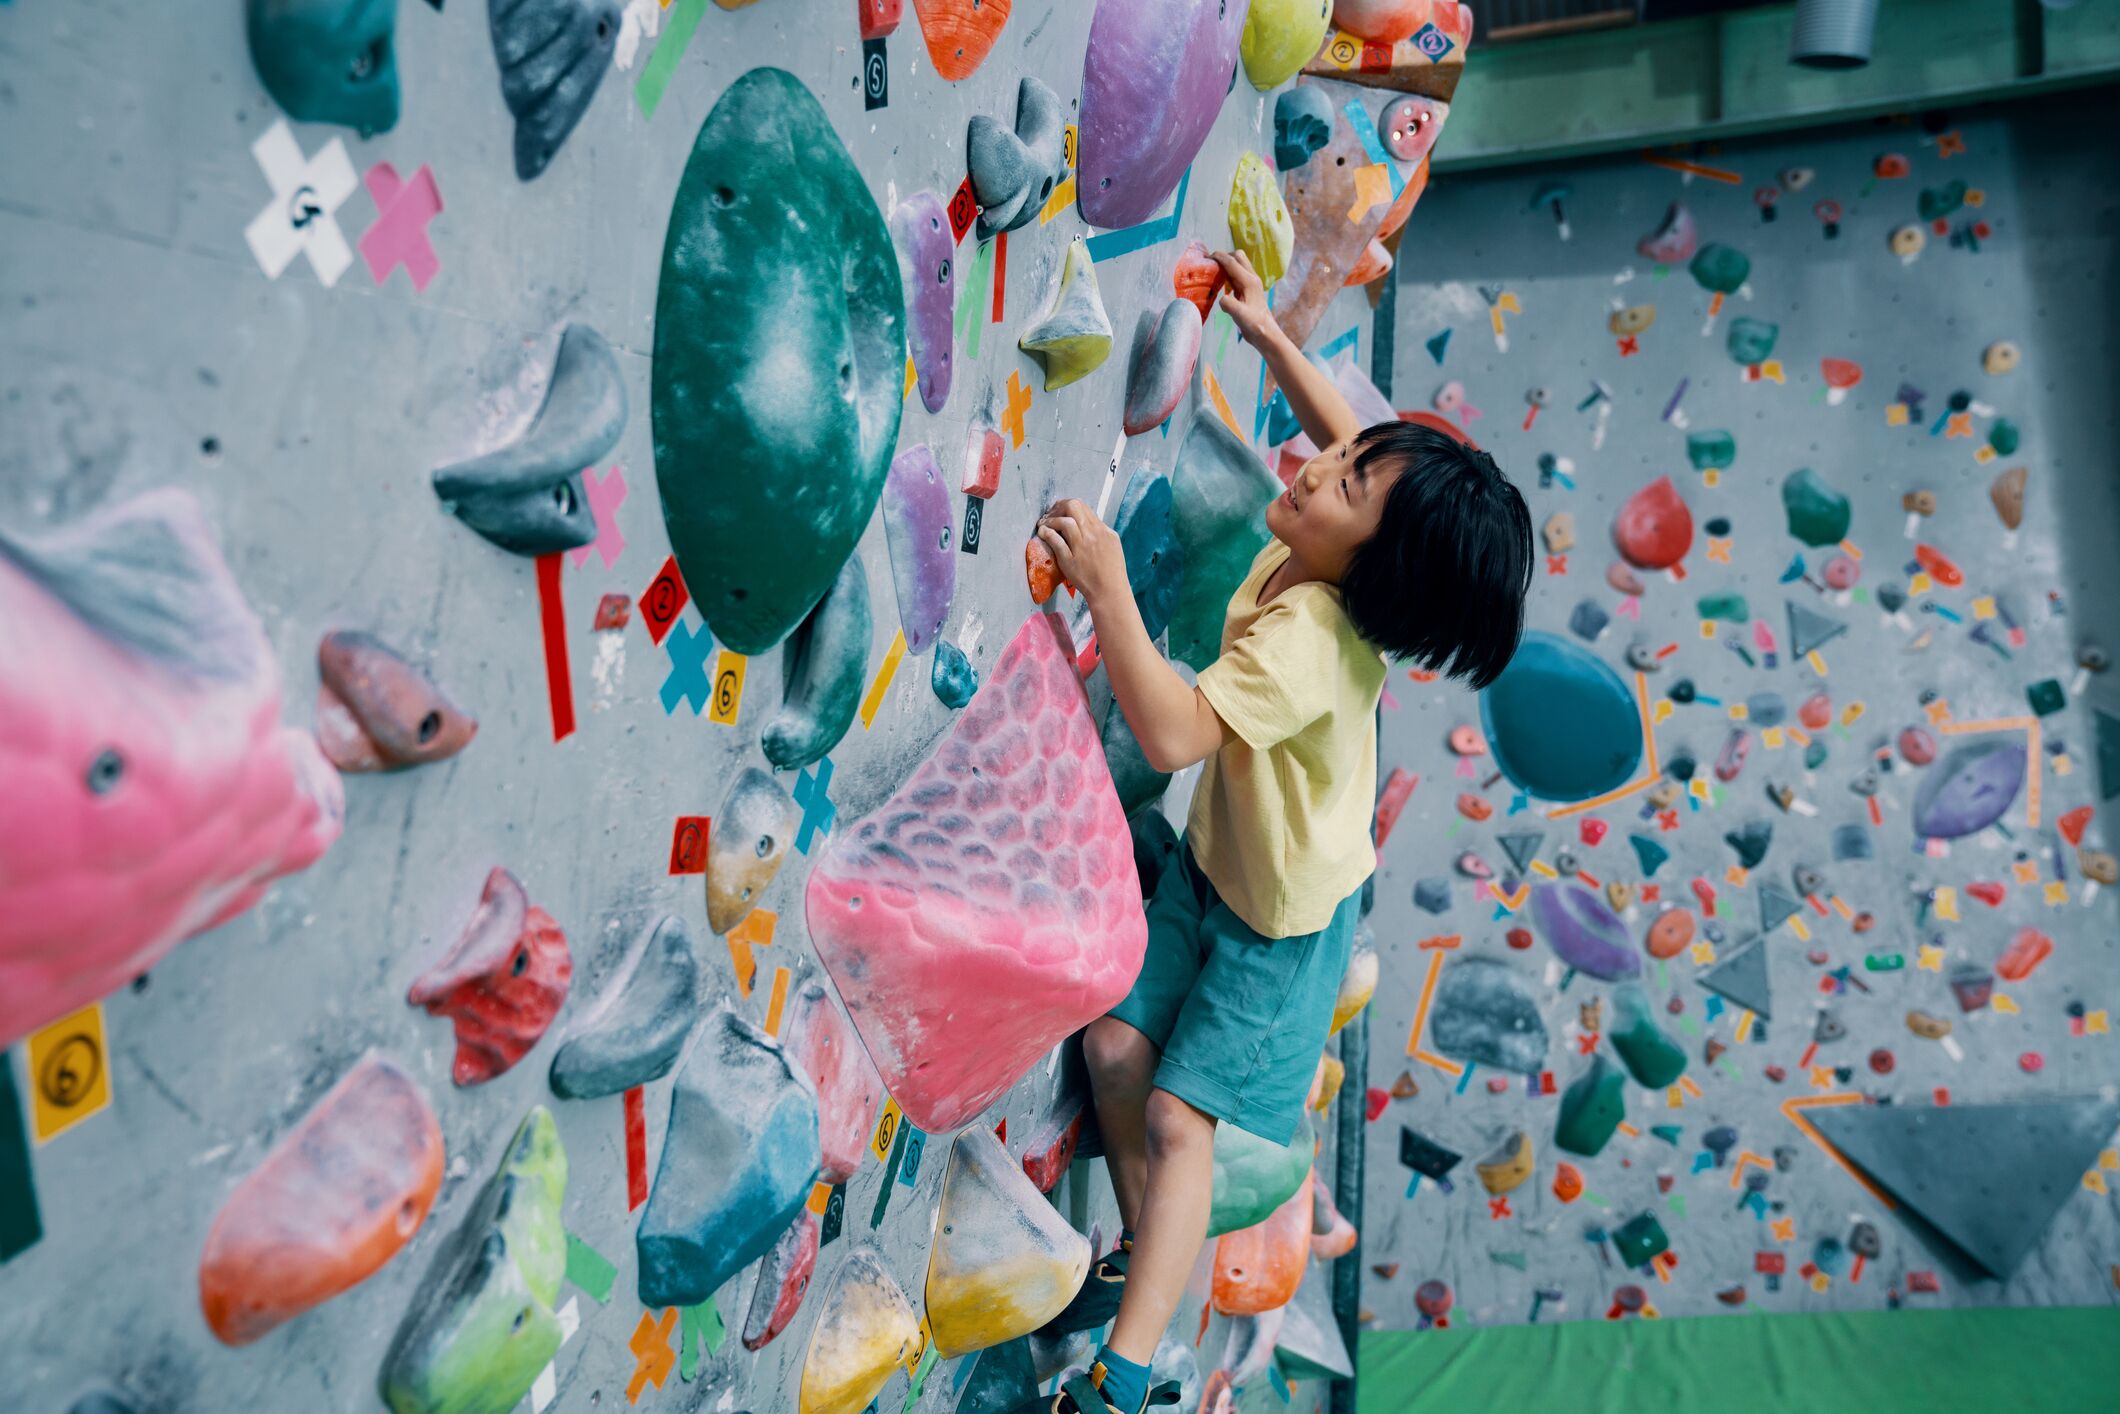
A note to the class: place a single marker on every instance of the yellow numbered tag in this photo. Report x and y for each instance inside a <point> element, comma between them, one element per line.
<point>728,688</point>
<point>886,1131</point>
<point>69,1072</point>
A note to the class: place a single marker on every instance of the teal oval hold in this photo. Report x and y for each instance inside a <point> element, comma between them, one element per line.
<point>328,61</point>
<point>779,361</point>
<point>1560,721</point>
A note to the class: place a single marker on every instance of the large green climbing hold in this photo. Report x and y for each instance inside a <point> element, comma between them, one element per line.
<point>779,367</point>
<point>1651,1057</point>
<point>1253,1176</point>
<point>1818,515</point>
<point>481,1325</point>
<point>1721,268</point>
<point>1219,495</point>
<point>1591,1108</point>
<point>1729,606</point>
<point>1751,341</point>
<point>328,61</point>
<point>1710,449</point>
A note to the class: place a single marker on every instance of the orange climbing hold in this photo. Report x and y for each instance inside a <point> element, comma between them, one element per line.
<point>334,1200</point>
<point>1040,570</point>
<point>1197,278</point>
<point>1258,1268</point>
<point>1567,1182</point>
<point>1670,933</point>
<point>960,33</point>
<point>1940,566</point>
<point>2021,958</point>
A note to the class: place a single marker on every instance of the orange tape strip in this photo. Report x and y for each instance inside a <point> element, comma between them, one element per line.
<point>1420,1022</point>
<point>1791,1110</point>
<point>1713,174</point>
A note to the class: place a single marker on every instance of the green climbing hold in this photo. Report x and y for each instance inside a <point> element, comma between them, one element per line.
<point>481,1324</point>
<point>1814,755</point>
<point>1640,1240</point>
<point>1818,515</point>
<point>1730,607</point>
<point>1751,340</point>
<point>779,369</point>
<point>2003,436</point>
<point>1669,1133</point>
<point>1649,853</point>
<point>1139,784</point>
<point>328,61</point>
<point>1219,494</point>
<point>1651,1057</point>
<point>1935,203</point>
<point>1721,268</point>
<point>1710,450</point>
<point>1254,1177</point>
<point>1591,1108</point>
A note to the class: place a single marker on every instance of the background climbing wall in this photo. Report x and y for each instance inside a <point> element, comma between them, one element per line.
<point>2037,270</point>
<point>144,347</point>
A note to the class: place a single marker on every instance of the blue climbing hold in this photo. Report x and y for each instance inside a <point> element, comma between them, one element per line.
<point>1561,723</point>
<point>1651,854</point>
<point>954,678</point>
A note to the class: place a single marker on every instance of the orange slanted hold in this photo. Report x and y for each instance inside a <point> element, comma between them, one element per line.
<point>1040,570</point>
<point>960,33</point>
<point>334,1200</point>
<point>1258,1268</point>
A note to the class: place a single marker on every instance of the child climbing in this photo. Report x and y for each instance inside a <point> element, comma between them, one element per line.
<point>1398,541</point>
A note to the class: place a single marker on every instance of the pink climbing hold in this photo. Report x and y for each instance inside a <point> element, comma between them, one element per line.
<point>1654,529</point>
<point>823,1047</point>
<point>502,981</point>
<point>151,792</point>
<point>990,907</point>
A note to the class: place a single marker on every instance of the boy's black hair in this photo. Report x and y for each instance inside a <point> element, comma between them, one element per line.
<point>1443,580</point>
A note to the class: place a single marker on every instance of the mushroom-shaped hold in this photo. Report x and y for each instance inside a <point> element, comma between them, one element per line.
<point>1074,337</point>
<point>1840,374</point>
<point>501,982</point>
<point>376,712</point>
<point>747,845</point>
<point>1004,1261</point>
<point>1654,529</point>
<point>864,1331</point>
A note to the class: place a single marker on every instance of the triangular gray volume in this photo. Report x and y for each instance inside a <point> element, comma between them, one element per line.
<point>1776,907</point>
<point>1987,1177</point>
<point>1742,978</point>
<point>1521,846</point>
<point>1809,629</point>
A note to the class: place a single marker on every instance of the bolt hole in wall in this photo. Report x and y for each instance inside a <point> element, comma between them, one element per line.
<point>386,340</point>
<point>1889,440</point>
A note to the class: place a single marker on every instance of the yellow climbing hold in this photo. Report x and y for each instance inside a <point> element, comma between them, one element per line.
<point>1004,1261</point>
<point>862,1335</point>
<point>1357,985</point>
<point>1280,36</point>
<point>1075,336</point>
<point>1505,1169</point>
<point>1259,223</point>
<point>1332,1075</point>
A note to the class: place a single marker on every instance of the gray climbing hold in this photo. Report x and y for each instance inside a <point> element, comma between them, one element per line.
<point>553,54</point>
<point>1432,895</point>
<point>1743,978</point>
<point>102,1400</point>
<point>1521,846</point>
<point>1165,350</point>
<point>527,497</point>
<point>738,1161</point>
<point>1988,1178</point>
<point>1776,906</point>
<point>1175,1364</point>
<point>1014,172</point>
<point>747,845</point>
<point>1484,1013</point>
<point>1810,630</point>
<point>1766,709</point>
<point>1588,620</point>
<point>1309,1345</point>
<point>637,1030</point>
<point>1828,1028</point>
<point>1852,842</point>
<point>1002,1379</point>
<point>824,666</point>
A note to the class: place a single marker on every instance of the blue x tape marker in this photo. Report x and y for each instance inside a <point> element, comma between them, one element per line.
<point>813,794</point>
<point>688,668</point>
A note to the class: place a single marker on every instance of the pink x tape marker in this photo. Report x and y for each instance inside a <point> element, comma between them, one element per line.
<point>606,495</point>
<point>399,235</point>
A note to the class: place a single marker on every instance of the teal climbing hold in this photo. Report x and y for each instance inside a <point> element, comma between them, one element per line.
<point>1818,514</point>
<point>779,366</point>
<point>1730,607</point>
<point>1651,1057</point>
<point>1721,268</point>
<point>1640,1240</point>
<point>1219,494</point>
<point>953,678</point>
<point>1751,340</point>
<point>328,61</point>
<point>1591,1109</point>
<point>1561,723</point>
<point>1651,854</point>
<point>1715,449</point>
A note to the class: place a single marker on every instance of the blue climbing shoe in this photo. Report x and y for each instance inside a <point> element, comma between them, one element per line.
<point>1080,1395</point>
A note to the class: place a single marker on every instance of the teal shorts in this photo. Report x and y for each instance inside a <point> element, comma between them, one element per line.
<point>1240,1018</point>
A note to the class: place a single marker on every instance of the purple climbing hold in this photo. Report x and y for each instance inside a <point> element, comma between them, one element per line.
<point>1583,932</point>
<point>920,229</point>
<point>1152,82</point>
<point>1164,353</point>
<point>1969,791</point>
<point>918,525</point>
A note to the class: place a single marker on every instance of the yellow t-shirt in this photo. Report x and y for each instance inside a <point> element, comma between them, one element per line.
<point>1280,818</point>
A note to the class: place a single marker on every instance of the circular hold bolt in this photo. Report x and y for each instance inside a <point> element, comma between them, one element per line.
<point>1406,124</point>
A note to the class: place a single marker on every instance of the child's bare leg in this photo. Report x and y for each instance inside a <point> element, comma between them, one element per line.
<point>1122,1068</point>
<point>1170,1225</point>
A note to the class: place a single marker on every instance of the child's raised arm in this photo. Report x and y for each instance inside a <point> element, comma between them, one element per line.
<point>1316,403</point>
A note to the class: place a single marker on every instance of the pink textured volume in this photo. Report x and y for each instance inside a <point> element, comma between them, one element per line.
<point>990,907</point>
<point>150,791</point>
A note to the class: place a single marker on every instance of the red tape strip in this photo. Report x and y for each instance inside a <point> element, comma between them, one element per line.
<point>558,684</point>
<point>636,1148</point>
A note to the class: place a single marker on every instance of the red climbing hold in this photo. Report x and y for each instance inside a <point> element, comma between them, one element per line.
<point>1198,277</point>
<point>2073,824</point>
<point>1040,570</point>
<point>1940,566</point>
<point>1376,1102</point>
<point>1474,807</point>
<point>1654,529</point>
<point>1988,892</point>
<point>2022,957</point>
<point>502,982</point>
<point>334,1200</point>
<point>1520,939</point>
<point>1816,713</point>
<point>1398,787</point>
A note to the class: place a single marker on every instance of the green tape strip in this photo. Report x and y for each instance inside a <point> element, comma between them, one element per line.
<point>704,1322</point>
<point>972,299</point>
<point>928,1360</point>
<point>1678,1204</point>
<point>21,1227</point>
<point>1229,327</point>
<point>662,64</point>
<point>890,1179</point>
<point>590,1270</point>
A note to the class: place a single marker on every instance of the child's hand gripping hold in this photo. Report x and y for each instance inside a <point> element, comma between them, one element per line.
<point>1086,550</point>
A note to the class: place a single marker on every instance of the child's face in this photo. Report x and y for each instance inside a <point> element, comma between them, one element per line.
<point>1330,509</point>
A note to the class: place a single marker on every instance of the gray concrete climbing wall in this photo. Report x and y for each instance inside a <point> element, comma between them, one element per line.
<point>144,346</point>
<point>2022,253</point>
